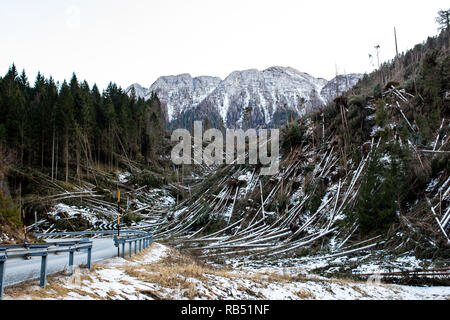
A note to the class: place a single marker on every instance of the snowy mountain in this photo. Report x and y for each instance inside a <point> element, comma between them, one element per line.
<point>268,96</point>
<point>265,92</point>
<point>139,91</point>
<point>181,93</point>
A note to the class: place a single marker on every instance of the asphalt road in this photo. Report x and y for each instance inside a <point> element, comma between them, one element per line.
<point>18,269</point>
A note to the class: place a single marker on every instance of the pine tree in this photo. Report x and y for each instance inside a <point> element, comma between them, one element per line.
<point>64,118</point>
<point>443,19</point>
<point>377,201</point>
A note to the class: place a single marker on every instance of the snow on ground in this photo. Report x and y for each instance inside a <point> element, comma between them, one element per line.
<point>5,238</point>
<point>124,176</point>
<point>67,211</point>
<point>161,198</point>
<point>375,261</point>
<point>164,273</point>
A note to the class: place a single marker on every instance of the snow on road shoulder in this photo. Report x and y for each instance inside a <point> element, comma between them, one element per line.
<point>164,273</point>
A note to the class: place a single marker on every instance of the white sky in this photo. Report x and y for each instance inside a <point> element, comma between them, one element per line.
<point>138,41</point>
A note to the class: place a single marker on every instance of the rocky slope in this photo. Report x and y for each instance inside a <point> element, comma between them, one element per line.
<point>339,84</point>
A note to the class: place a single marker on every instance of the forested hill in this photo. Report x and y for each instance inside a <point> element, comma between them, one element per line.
<point>52,126</point>
<point>70,132</point>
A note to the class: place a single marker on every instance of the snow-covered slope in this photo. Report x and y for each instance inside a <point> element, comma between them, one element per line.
<point>139,91</point>
<point>182,92</point>
<point>266,92</point>
<point>343,82</point>
<point>271,94</point>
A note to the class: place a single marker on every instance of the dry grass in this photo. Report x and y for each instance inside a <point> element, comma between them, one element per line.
<point>152,294</point>
<point>138,257</point>
<point>55,288</point>
<point>304,294</point>
<point>176,271</point>
<point>360,291</point>
<point>21,289</point>
<point>251,293</point>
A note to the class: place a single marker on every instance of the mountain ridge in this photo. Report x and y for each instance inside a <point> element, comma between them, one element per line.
<point>268,96</point>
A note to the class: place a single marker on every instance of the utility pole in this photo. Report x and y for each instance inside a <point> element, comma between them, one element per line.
<point>397,64</point>
<point>396,46</point>
<point>377,48</point>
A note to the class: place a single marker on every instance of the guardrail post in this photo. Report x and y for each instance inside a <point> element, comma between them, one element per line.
<point>2,270</point>
<point>89,257</point>
<point>135,246</point>
<point>43,281</point>
<point>71,262</point>
<point>140,245</point>
<point>123,250</point>
<point>130,244</point>
<point>89,250</point>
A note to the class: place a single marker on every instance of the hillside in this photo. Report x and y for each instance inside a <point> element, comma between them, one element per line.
<point>363,182</point>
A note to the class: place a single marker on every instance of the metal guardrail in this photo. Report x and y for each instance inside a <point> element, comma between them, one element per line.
<point>142,238</point>
<point>125,233</point>
<point>28,251</point>
<point>144,241</point>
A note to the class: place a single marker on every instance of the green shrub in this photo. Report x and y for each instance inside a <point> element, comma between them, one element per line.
<point>358,101</point>
<point>377,92</point>
<point>381,115</point>
<point>429,81</point>
<point>130,218</point>
<point>317,191</point>
<point>146,178</point>
<point>8,212</point>
<point>440,163</point>
<point>330,112</point>
<point>377,201</point>
<point>293,135</point>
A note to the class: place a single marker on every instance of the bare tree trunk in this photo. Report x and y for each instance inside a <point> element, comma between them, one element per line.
<point>77,150</point>
<point>57,157</point>
<point>66,153</point>
<point>53,152</point>
<point>42,152</point>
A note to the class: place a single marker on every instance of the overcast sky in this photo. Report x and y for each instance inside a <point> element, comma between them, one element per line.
<point>138,41</point>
